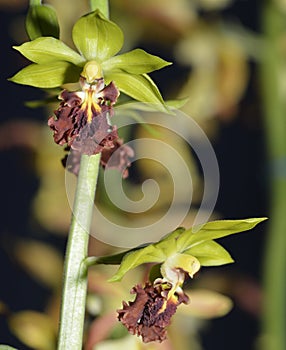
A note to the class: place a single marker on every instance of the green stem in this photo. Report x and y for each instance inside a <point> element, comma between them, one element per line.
<point>102,5</point>
<point>75,271</point>
<point>35,2</point>
<point>274,315</point>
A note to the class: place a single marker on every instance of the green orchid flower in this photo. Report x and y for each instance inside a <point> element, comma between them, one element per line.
<point>178,254</point>
<point>99,40</point>
<point>182,249</point>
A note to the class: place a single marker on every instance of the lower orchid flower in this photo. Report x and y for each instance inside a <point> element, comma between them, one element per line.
<point>151,311</point>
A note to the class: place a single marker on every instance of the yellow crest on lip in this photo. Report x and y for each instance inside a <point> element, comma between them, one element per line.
<point>89,105</point>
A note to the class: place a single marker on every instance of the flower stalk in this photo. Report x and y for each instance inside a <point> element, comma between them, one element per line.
<point>75,271</point>
<point>35,2</point>
<point>103,5</point>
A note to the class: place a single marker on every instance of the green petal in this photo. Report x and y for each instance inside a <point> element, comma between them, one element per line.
<point>47,75</point>
<point>140,87</point>
<point>48,49</point>
<point>214,230</point>
<point>96,37</point>
<point>42,20</point>
<point>135,62</point>
<point>210,253</point>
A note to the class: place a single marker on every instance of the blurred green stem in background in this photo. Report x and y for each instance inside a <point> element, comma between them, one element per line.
<point>274,105</point>
<point>75,271</point>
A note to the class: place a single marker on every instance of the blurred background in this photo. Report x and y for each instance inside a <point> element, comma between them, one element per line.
<point>229,60</point>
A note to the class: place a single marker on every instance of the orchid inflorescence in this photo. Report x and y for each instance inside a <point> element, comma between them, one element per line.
<point>83,124</point>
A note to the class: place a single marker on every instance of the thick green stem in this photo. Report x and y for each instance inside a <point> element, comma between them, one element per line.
<point>272,67</point>
<point>75,271</point>
<point>102,5</point>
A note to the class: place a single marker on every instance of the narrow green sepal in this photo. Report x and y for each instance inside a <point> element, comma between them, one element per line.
<point>149,254</point>
<point>114,259</point>
<point>45,50</point>
<point>6,347</point>
<point>42,20</point>
<point>97,38</point>
<point>47,75</point>
<point>214,230</point>
<point>135,62</point>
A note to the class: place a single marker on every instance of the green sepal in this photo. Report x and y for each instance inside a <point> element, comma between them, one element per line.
<point>6,347</point>
<point>135,62</point>
<point>139,87</point>
<point>97,38</point>
<point>42,20</point>
<point>210,253</point>
<point>149,254</point>
<point>47,75</point>
<point>153,253</point>
<point>213,230</point>
<point>45,50</point>
<point>114,259</point>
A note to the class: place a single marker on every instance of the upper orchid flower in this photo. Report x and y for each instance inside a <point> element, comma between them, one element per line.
<point>99,40</point>
<point>82,121</point>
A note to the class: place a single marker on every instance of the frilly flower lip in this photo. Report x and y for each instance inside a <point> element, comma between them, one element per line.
<point>151,311</point>
<point>82,122</point>
<point>77,111</point>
